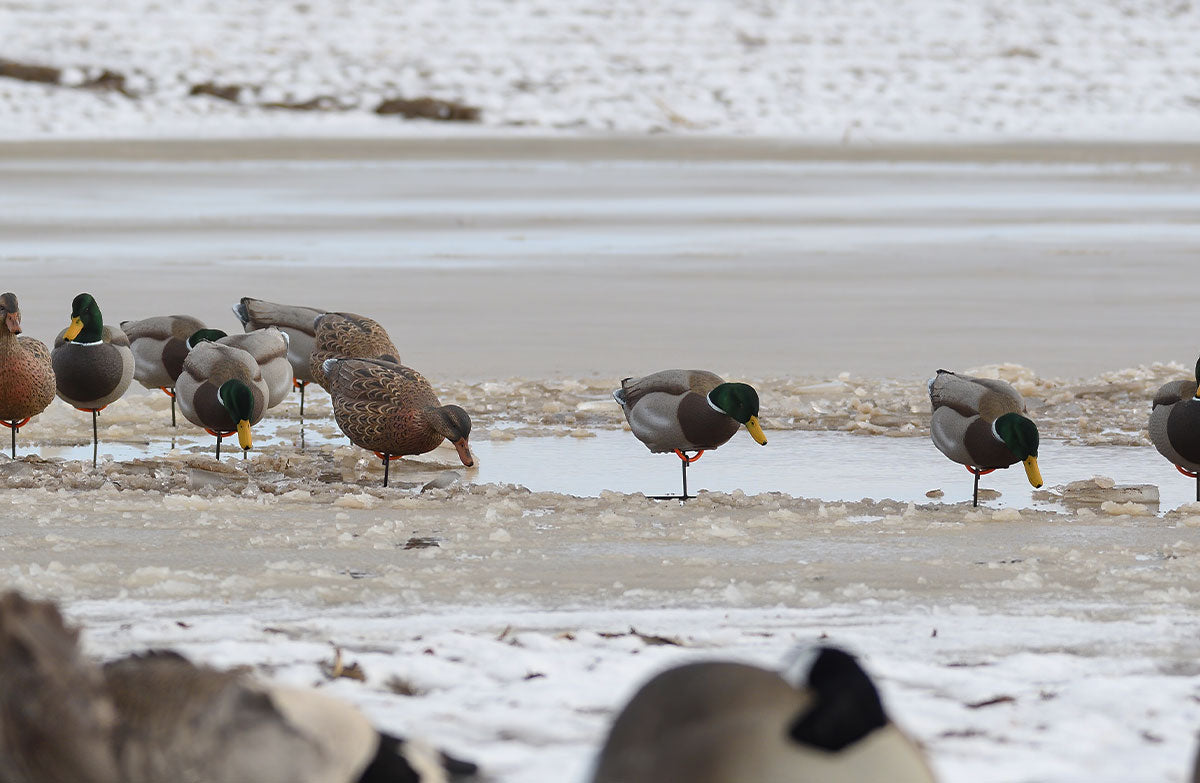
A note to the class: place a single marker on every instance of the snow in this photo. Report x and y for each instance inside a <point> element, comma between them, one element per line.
<point>827,70</point>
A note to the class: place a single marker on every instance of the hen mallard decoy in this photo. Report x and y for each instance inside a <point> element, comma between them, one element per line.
<point>93,365</point>
<point>293,320</point>
<point>392,410</point>
<point>269,347</point>
<point>159,346</point>
<point>1175,425</point>
<point>349,336</point>
<point>222,390</point>
<point>723,722</point>
<point>687,410</point>
<point>26,372</point>
<point>982,423</point>
<point>158,717</point>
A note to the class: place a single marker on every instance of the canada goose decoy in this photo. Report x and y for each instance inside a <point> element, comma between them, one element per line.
<point>157,717</point>
<point>293,320</point>
<point>349,336</point>
<point>26,372</point>
<point>981,423</point>
<point>222,390</point>
<point>268,346</point>
<point>392,410</point>
<point>722,722</point>
<point>1175,426</point>
<point>687,410</point>
<point>159,346</point>
<point>93,365</point>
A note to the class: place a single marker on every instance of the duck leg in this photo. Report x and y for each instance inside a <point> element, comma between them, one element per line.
<point>173,410</point>
<point>975,496</point>
<point>13,426</point>
<point>386,462</point>
<point>684,496</point>
<point>219,436</point>
<point>95,436</point>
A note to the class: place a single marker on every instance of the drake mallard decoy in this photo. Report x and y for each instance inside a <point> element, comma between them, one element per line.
<point>159,717</point>
<point>269,347</point>
<point>293,320</point>
<point>159,346</point>
<point>349,336</point>
<point>26,372</point>
<point>93,365</point>
<point>222,390</point>
<point>1175,425</point>
<point>687,410</point>
<point>723,722</point>
<point>982,423</point>
<point>392,410</point>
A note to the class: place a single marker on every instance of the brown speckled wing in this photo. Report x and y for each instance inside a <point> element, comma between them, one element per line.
<point>378,405</point>
<point>346,335</point>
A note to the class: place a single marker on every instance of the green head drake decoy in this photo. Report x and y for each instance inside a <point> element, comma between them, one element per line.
<point>349,336</point>
<point>26,372</point>
<point>392,410</point>
<point>222,390</point>
<point>682,411</point>
<point>93,365</point>
<point>722,722</point>
<point>159,346</point>
<point>1175,425</point>
<point>296,321</point>
<point>269,347</point>
<point>982,423</point>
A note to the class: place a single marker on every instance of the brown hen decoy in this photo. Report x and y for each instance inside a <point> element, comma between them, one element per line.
<point>349,336</point>
<point>26,372</point>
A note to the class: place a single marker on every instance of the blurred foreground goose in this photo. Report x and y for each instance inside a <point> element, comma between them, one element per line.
<point>222,390</point>
<point>159,346</point>
<point>293,320</point>
<point>392,410</point>
<point>26,373</point>
<point>1175,425</point>
<point>687,410</point>
<point>349,336</point>
<point>268,346</point>
<point>981,423</point>
<point>723,722</point>
<point>93,365</point>
<point>158,718</point>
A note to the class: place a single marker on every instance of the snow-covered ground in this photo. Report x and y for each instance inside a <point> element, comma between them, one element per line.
<point>832,70</point>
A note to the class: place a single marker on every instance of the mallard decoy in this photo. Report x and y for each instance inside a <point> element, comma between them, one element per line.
<point>268,346</point>
<point>26,372</point>
<point>722,722</point>
<point>294,321</point>
<point>93,365</point>
<point>159,346</point>
<point>1175,426</point>
<point>392,410</point>
<point>349,336</point>
<point>222,390</point>
<point>981,423</point>
<point>158,717</point>
<point>687,410</point>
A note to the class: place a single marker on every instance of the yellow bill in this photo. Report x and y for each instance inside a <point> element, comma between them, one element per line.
<point>1031,470</point>
<point>73,329</point>
<point>756,431</point>
<point>244,434</point>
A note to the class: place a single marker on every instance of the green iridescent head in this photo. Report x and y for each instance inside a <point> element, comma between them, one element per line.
<point>1021,436</point>
<point>739,401</point>
<point>87,323</point>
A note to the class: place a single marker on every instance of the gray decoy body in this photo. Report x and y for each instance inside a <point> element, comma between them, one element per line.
<point>158,718</point>
<point>1175,423</point>
<point>208,367</point>
<point>94,367</point>
<point>724,722</point>
<point>349,336</point>
<point>159,346</point>
<point>294,320</point>
<point>675,410</point>
<point>269,347</point>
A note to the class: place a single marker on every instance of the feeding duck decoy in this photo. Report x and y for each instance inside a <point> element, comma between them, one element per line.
<point>683,411</point>
<point>93,365</point>
<point>293,320</point>
<point>349,336</point>
<point>724,722</point>
<point>392,410</point>
<point>269,347</point>
<point>982,423</point>
<point>26,372</point>
<point>158,717</point>
<point>1175,425</point>
<point>159,346</point>
<point>222,390</point>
